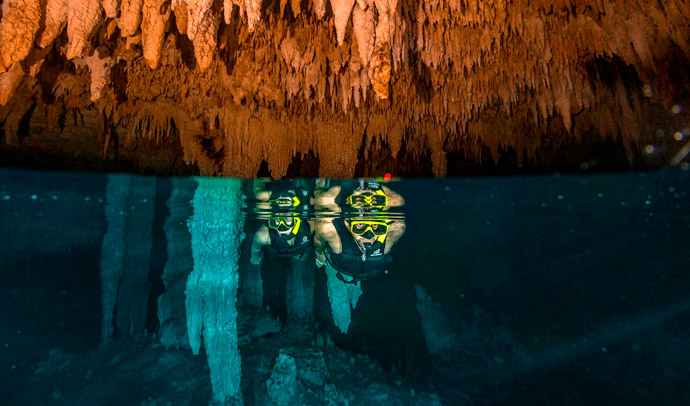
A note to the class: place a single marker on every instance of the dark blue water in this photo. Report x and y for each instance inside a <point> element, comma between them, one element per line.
<point>517,290</point>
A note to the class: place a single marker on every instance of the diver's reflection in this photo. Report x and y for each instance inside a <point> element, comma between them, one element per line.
<point>286,208</point>
<point>354,241</point>
<point>288,231</point>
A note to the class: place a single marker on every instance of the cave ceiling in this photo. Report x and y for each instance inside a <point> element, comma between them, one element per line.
<point>237,87</point>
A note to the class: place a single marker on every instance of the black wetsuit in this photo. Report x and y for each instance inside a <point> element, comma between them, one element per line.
<point>352,260</point>
<point>302,240</point>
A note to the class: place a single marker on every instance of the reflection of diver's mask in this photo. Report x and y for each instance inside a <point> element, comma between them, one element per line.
<point>284,223</point>
<point>370,228</point>
<point>285,201</point>
<point>376,199</point>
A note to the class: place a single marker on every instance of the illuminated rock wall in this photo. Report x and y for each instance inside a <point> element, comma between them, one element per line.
<point>241,82</point>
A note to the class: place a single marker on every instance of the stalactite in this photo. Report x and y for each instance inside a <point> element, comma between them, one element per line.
<point>9,82</point>
<point>341,10</point>
<point>100,73</point>
<point>155,17</point>
<point>18,27</point>
<point>472,70</point>
<point>130,17</point>
<point>55,21</point>
<point>82,18</point>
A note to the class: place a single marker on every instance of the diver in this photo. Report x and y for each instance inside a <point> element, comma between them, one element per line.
<point>288,230</point>
<point>368,195</point>
<point>357,236</point>
<point>353,241</point>
<point>357,247</point>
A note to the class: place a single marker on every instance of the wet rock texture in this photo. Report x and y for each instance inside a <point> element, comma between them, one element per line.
<point>238,83</point>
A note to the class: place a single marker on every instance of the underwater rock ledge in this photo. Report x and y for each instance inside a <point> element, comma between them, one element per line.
<point>343,88</point>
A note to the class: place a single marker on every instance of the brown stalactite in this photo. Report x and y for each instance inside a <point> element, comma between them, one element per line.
<point>446,75</point>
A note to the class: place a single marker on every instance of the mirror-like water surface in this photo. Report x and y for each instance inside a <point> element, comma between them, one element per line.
<point>122,289</point>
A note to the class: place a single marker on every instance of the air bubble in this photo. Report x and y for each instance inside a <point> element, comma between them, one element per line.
<point>678,136</point>
<point>34,197</point>
<point>560,197</point>
<point>676,109</point>
<point>649,149</point>
<point>6,197</point>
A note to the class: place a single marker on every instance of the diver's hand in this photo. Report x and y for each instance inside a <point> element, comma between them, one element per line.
<point>257,258</point>
<point>320,260</point>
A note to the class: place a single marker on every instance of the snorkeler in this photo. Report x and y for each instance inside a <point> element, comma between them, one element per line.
<point>288,231</point>
<point>357,236</point>
<point>353,240</point>
<point>363,194</point>
<point>357,247</point>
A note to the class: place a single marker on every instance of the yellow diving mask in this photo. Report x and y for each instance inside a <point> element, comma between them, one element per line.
<point>285,201</point>
<point>377,199</point>
<point>377,227</point>
<point>282,223</point>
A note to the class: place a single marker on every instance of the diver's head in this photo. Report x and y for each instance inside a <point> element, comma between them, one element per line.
<point>367,232</point>
<point>284,225</point>
<point>368,198</point>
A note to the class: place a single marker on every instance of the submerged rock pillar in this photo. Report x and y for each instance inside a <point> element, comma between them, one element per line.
<point>126,254</point>
<point>113,248</point>
<point>216,234</point>
<point>299,294</point>
<point>171,304</point>
<point>134,288</point>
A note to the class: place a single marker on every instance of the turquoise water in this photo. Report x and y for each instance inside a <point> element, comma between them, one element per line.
<point>537,290</point>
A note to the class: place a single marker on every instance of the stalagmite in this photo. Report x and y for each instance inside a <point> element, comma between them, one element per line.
<point>216,235</point>
<point>18,27</point>
<point>155,17</point>
<point>437,330</point>
<point>82,18</point>
<point>100,73</point>
<point>205,41</point>
<point>9,82</point>
<point>55,21</point>
<point>341,10</point>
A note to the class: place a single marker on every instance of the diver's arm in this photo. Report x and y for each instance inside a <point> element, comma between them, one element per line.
<point>394,198</point>
<point>261,238</point>
<point>396,230</point>
<point>326,234</point>
<point>326,200</point>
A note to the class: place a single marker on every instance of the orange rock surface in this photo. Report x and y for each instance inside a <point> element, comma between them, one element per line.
<point>238,83</point>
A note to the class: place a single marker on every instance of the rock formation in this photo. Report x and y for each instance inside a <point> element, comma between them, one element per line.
<point>237,83</point>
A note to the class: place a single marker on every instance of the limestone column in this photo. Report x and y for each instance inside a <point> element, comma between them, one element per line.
<point>171,304</point>
<point>113,248</point>
<point>211,294</point>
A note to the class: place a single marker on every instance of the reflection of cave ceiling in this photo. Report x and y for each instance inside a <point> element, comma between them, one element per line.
<point>229,84</point>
